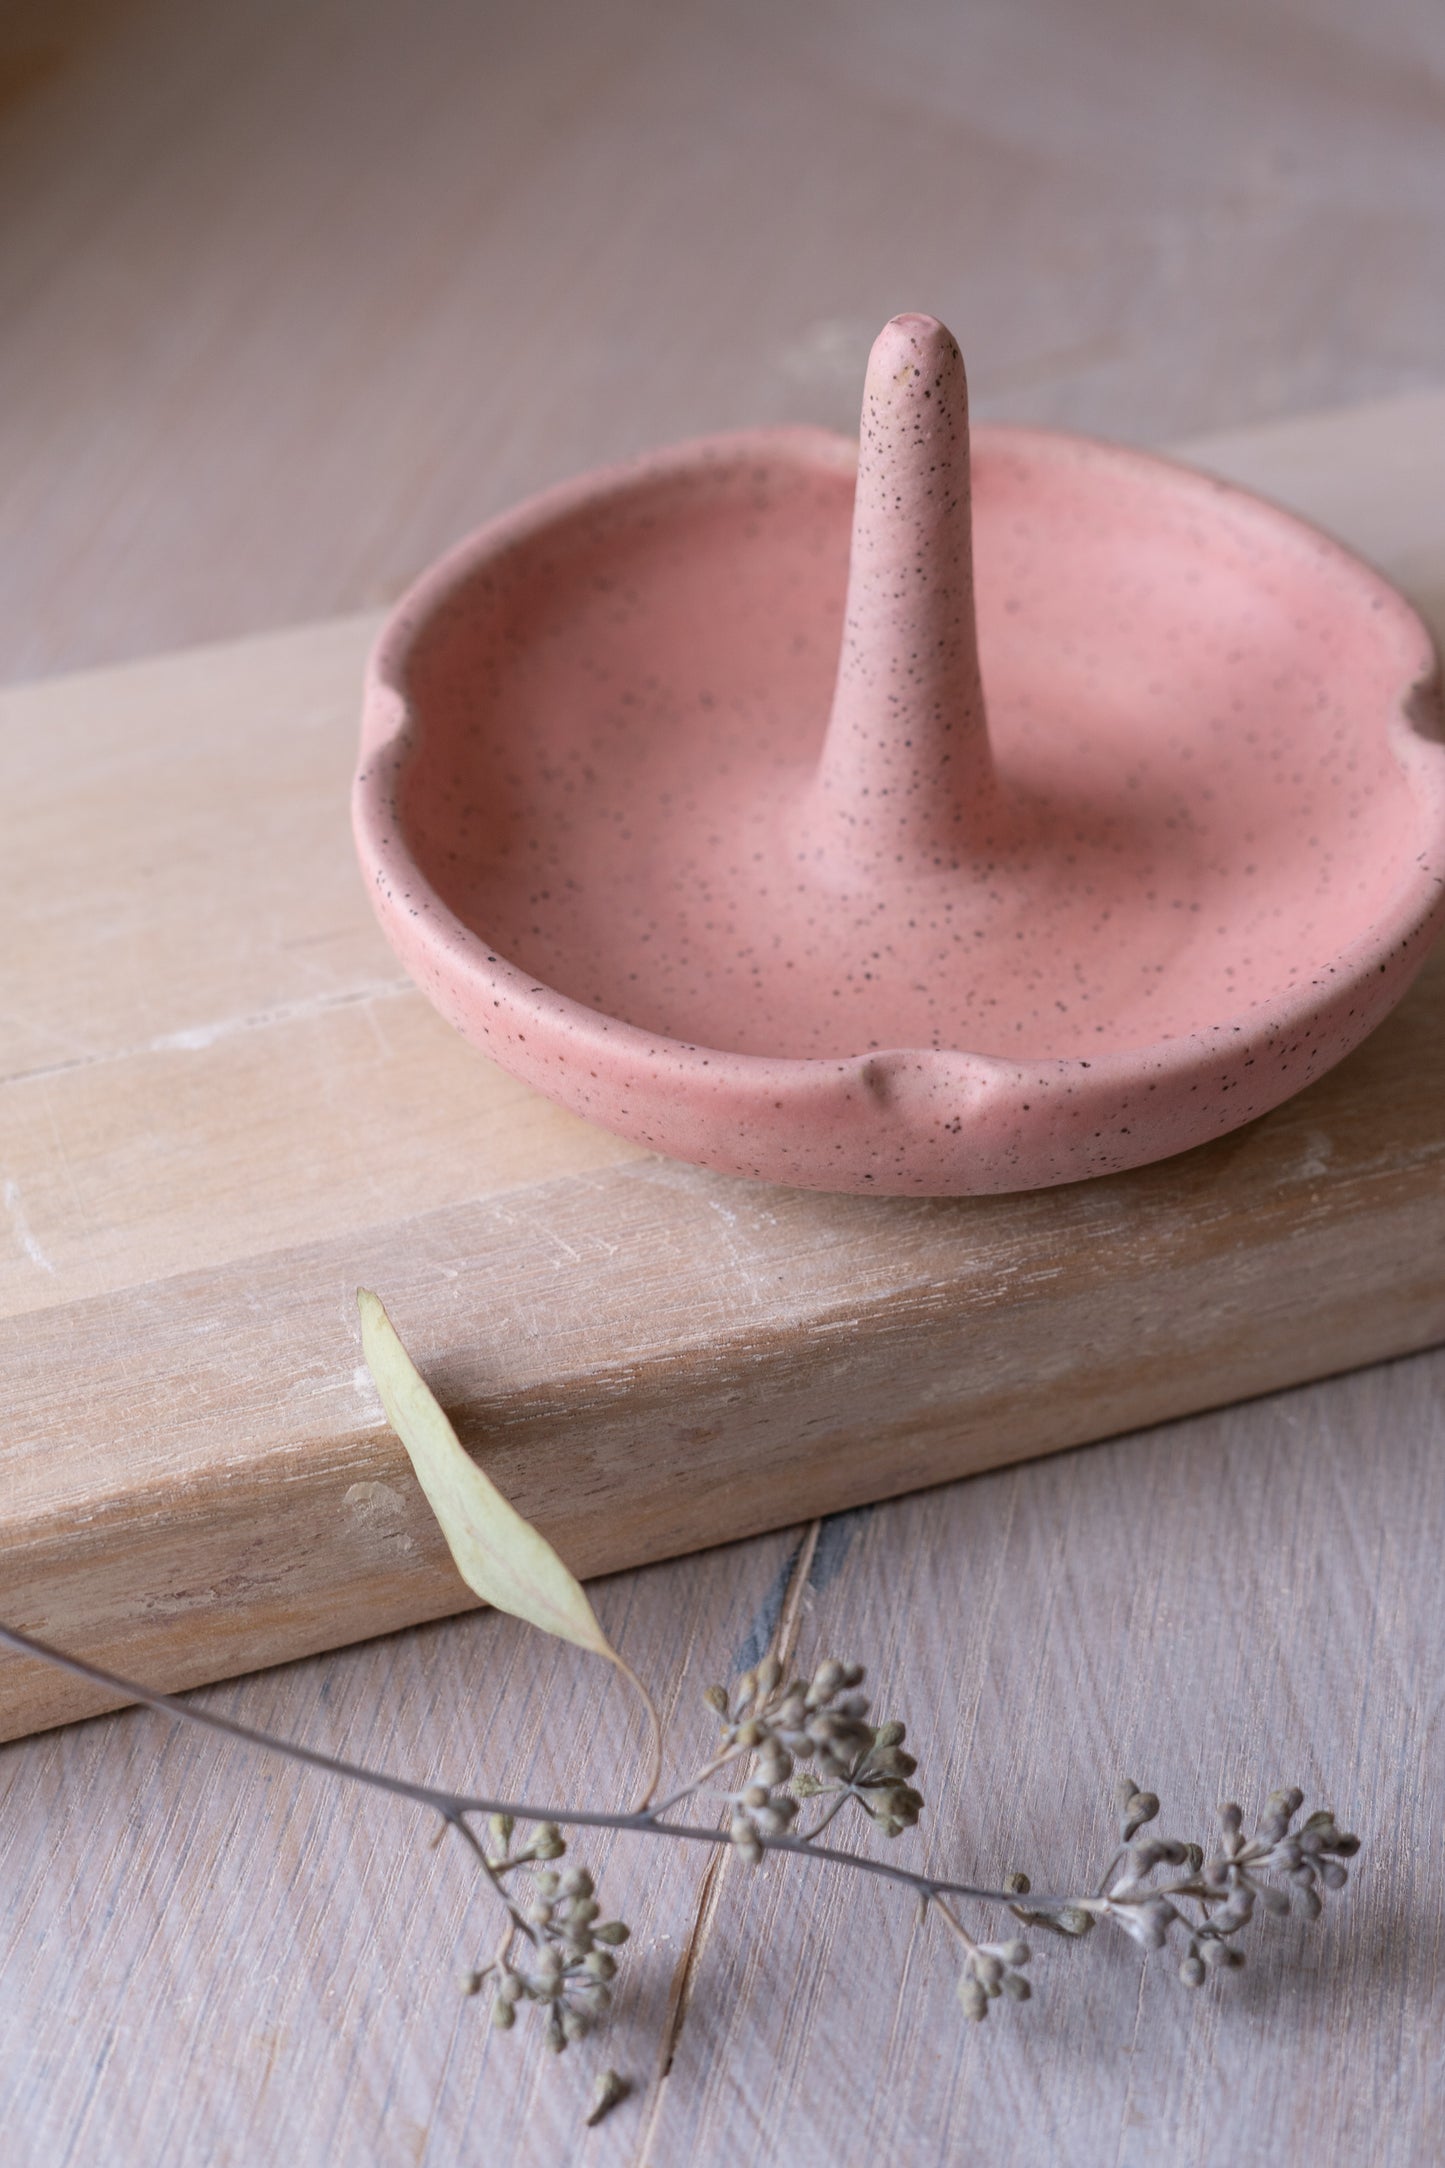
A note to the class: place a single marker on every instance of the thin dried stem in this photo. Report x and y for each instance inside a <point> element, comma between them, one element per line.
<point>1278,1868</point>
<point>696,1781</point>
<point>654,1726</point>
<point>454,1806</point>
<point>952,1922</point>
<point>479,1852</point>
<point>806,1836</point>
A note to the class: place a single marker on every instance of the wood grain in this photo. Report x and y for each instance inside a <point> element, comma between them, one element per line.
<point>1247,1600</point>
<point>212,1058</point>
<point>269,269</point>
<point>205,1957</point>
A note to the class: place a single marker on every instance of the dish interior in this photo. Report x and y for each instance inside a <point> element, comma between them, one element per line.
<point>621,713</point>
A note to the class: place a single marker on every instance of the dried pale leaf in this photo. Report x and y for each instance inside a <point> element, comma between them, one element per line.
<point>498,1553</point>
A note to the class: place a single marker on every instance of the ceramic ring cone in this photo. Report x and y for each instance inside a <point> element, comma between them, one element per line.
<point>705,834</point>
<point>906,772</point>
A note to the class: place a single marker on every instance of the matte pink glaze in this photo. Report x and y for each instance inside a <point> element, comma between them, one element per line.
<point>706,835</point>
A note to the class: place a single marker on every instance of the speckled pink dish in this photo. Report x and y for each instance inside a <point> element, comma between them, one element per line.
<point>645,838</point>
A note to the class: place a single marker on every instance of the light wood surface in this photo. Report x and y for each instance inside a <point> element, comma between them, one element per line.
<point>208,1958</point>
<point>260,265</point>
<point>650,1358</point>
<point>296,294</point>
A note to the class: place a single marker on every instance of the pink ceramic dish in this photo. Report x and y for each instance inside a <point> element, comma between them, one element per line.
<point>691,815</point>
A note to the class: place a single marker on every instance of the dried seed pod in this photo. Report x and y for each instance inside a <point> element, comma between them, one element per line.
<point>1153,1852</point>
<point>745,1839</point>
<point>612,1931</point>
<point>1142,1807</point>
<point>1149,1923</point>
<point>1279,1811</point>
<point>606,2093</point>
<point>1237,1912</point>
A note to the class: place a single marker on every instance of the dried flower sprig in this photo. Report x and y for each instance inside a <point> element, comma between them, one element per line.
<point>566,1962</point>
<point>556,1951</point>
<point>823,1718</point>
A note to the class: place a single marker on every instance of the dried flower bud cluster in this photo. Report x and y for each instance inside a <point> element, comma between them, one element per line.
<point>566,1964</point>
<point>1276,1870</point>
<point>991,1969</point>
<point>1156,1888</point>
<point>878,1780</point>
<point>822,1720</point>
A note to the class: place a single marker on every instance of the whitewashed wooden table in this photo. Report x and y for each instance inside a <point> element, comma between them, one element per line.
<point>296,296</point>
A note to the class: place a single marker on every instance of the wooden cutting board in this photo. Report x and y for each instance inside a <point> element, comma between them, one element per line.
<point>222,1107</point>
